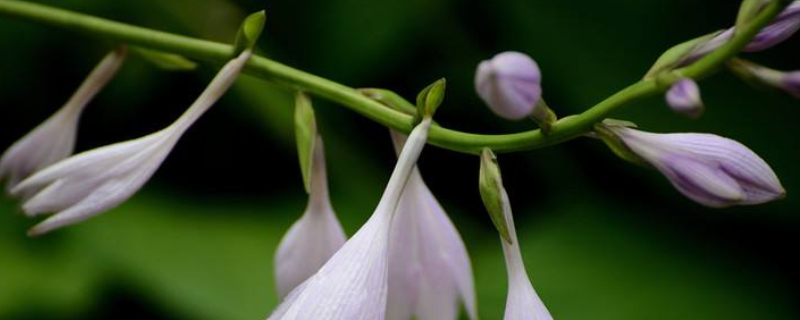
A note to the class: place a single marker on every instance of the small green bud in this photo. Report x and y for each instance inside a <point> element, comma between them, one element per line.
<point>429,99</point>
<point>493,193</point>
<point>675,56</point>
<point>615,143</point>
<point>305,130</point>
<point>163,60</point>
<point>249,32</point>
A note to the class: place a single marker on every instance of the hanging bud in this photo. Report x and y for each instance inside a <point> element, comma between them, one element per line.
<point>54,139</point>
<point>165,61</point>
<point>491,184</point>
<point>305,131</point>
<point>430,98</point>
<point>249,32</point>
<point>784,26</point>
<point>760,75</point>
<point>684,98</point>
<point>510,84</point>
<point>709,169</point>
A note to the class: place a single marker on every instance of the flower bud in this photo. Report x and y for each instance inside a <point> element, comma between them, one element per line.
<point>430,98</point>
<point>760,75</point>
<point>510,83</point>
<point>684,98</point>
<point>709,169</point>
<point>784,26</point>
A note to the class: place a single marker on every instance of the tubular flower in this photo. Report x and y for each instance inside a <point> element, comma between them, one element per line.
<point>522,302</point>
<point>510,83</point>
<point>353,284</point>
<point>429,268</point>
<point>709,169</point>
<point>54,139</point>
<point>684,98</point>
<point>92,182</point>
<point>314,238</point>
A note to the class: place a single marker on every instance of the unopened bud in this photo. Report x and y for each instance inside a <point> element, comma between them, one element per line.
<point>510,83</point>
<point>760,75</point>
<point>684,98</point>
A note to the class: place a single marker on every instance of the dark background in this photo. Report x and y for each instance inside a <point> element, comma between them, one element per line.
<point>602,239</point>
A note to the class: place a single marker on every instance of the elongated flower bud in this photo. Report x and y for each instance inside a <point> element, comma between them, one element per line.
<point>510,83</point>
<point>429,268</point>
<point>92,182</point>
<point>684,98</point>
<point>758,74</point>
<point>784,26</point>
<point>313,239</point>
<point>709,169</point>
<point>54,139</point>
<point>522,302</point>
<point>353,284</point>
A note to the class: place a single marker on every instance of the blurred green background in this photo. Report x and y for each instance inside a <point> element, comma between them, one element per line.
<point>602,239</point>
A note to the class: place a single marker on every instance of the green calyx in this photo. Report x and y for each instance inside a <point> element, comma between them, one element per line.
<point>430,98</point>
<point>163,60</point>
<point>612,140</point>
<point>675,56</point>
<point>493,193</point>
<point>305,131</point>
<point>249,32</point>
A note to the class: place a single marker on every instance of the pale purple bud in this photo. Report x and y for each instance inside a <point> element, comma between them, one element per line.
<point>784,26</point>
<point>786,81</point>
<point>92,182</point>
<point>429,268</point>
<point>684,98</point>
<point>312,239</point>
<point>709,169</point>
<point>353,284</point>
<point>54,139</point>
<point>510,83</point>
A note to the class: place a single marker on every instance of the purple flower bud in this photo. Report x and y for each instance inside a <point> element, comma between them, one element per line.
<point>510,83</point>
<point>709,169</point>
<point>786,81</point>
<point>684,97</point>
<point>791,83</point>
<point>787,23</point>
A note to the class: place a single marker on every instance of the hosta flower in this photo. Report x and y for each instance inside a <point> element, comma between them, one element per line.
<point>786,81</point>
<point>313,239</point>
<point>684,97</point>
<point>89,183</point>
<point>353,284</point>
<point>429,269</point>
<point>54,139</point>
<point>522,302</point>
<point>709,169</point>
<point>510,83</point>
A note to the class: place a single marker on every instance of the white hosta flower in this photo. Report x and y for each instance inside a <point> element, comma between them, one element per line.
<point>522,302</point>
<point>429,268</point>
<point>89,183</point>
<point>54,139</point>
<point>709,169</point>
<point>314,238</point>
<point>352,285</point>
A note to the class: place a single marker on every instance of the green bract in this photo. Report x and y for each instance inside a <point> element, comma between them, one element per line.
<point>491,188</point>
<point>305,130</point>
<point>249,32</point>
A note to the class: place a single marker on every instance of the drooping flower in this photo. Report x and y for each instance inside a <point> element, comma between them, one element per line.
<point>510,83</point>
<point>353,284</point>
<point>312,239</point>
<point>92,182</point>
<point>522,302</point>
<point>709,169</point>
<point>429,268</point>
<point>54,139</point>
<point>684,98</point>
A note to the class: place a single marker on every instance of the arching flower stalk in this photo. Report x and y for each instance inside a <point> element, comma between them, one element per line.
<point>54,139</point>
<point>429,268</point>
<point>92,182</point>
<point>312,239</point>
<point>353,284</point>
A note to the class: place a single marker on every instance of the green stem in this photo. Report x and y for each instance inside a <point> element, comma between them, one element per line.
<point>565,129</point>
